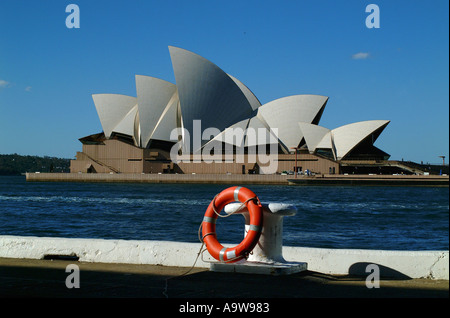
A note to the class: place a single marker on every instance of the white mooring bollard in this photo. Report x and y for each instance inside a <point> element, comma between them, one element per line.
<point>266,257</point>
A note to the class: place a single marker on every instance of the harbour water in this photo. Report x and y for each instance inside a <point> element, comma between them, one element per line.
<point>390,218</point>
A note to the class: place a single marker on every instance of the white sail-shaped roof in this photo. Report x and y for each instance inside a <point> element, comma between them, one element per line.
<point>246,133</point>
<point>343,139</point>
<point>264,136</point>
<point>315,136</point>
<point>168,120</point>
<point>127,125</point>
<point>207,93</point>
<point>153,96</point>
<point>111,109</point>
<point>234,135</point>
<point>349,136</point>
<point>229,137</point>
<point>285,114</point>
<point>252,99</point>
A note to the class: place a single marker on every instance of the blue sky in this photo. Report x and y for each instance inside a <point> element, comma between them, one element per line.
<point>398,72</point>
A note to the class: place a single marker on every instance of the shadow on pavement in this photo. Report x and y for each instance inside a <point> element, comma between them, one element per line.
<point>48,279</point>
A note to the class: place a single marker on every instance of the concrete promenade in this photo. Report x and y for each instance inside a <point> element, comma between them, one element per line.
<point>403,180</point>
<point>392,264</point>
<point>47,278</point>
<point>37,267</point>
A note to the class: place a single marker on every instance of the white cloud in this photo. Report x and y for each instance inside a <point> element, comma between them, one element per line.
<point>28,89</point>
<point>3,83</point>
<point>360,56</point>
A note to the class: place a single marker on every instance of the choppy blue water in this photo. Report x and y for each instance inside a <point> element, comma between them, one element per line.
<point>392,218</point>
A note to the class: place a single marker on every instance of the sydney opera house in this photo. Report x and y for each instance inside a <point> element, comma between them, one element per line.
<point>210,122</point>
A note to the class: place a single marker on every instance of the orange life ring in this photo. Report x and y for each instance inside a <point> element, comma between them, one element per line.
<point>254,207</point>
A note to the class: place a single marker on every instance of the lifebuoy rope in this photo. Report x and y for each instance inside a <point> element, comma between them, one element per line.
<point>201,250</point>
<point>255,198</point>
<point>201,239</point>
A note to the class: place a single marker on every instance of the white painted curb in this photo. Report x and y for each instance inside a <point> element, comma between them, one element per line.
<point>413,264</point>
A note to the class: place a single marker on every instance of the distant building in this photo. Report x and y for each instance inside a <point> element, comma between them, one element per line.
<point>141,134</point>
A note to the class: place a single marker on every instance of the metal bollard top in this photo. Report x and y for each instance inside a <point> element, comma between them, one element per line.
<point>280,209</point>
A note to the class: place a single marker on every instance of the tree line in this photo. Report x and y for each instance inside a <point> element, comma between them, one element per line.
<point>17,164</point>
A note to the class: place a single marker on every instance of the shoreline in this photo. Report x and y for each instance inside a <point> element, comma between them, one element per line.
<point>366,180</point>
<point>374,180</point>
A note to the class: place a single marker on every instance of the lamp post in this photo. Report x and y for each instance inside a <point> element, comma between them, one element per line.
<point>295,171</point>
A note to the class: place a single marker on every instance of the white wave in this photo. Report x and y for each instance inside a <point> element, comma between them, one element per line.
<point>99,200</point>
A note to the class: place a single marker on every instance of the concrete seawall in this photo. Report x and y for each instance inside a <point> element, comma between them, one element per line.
<point>384,180</point>
<point>159,178</point>
<point>373,180</point>
<point>396,264</point>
